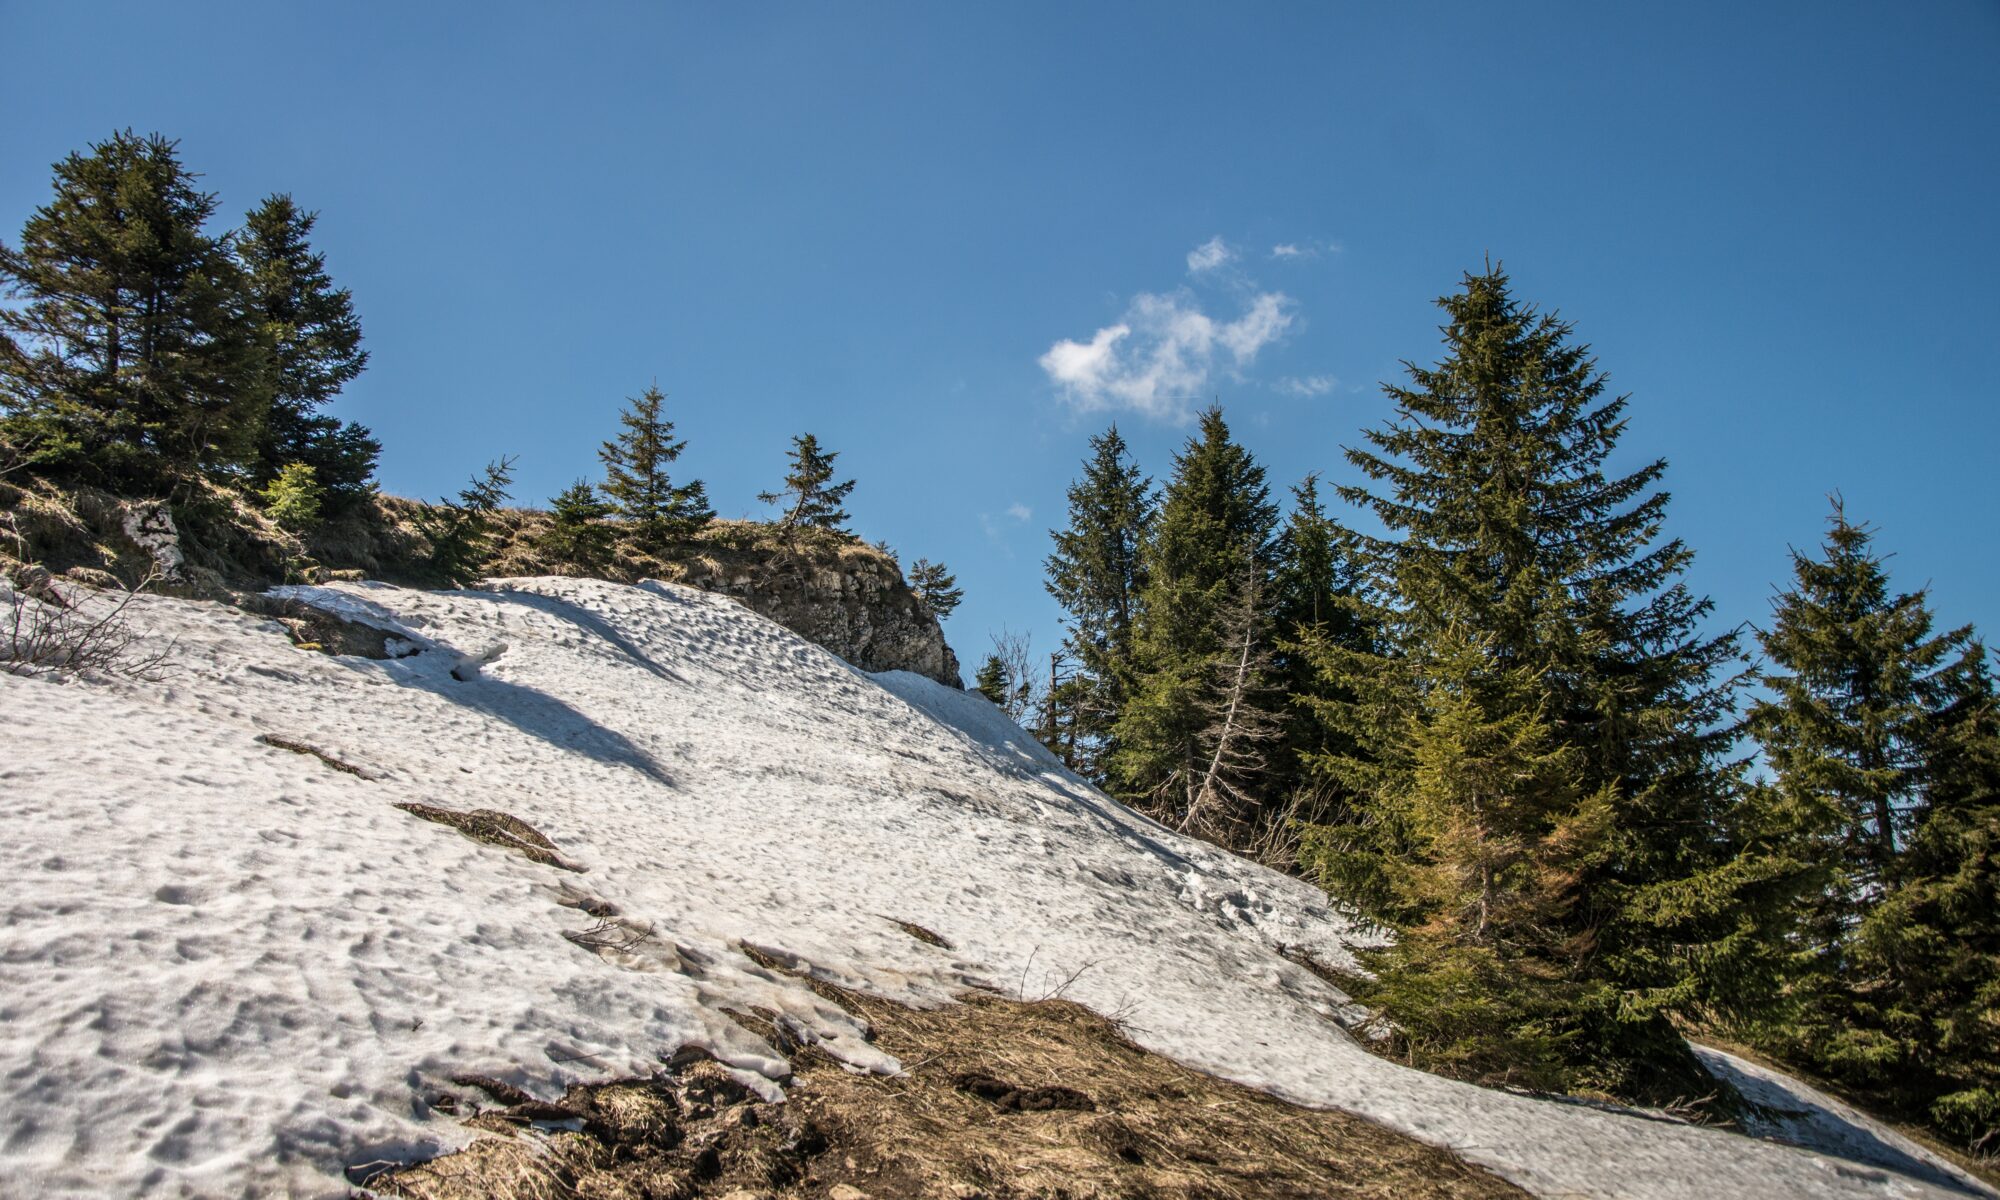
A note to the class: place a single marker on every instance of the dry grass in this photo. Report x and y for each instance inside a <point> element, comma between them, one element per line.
<point>999,1100</point>
<point>496,828</point>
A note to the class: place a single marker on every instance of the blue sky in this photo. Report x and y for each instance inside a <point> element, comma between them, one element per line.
<point>907,228</point>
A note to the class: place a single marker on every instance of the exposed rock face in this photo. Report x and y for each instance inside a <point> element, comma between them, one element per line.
<point>856,605</point>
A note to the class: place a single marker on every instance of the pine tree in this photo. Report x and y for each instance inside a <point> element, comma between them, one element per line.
<point>133,355</point>
<point>810,498</point>
<point>1926,961</point>
<point>314,339</point>
<point>1215,527</point>
<point>1096,573</point>
<point>636,479</point>
<point>1508,535</point>
<point>577,536</point>
<point>1319,602</point>
<point>460,531</point>
<point>1475,850</point>
<point>991,681</point>
<point>936,587</point>
<point>1873,732</point>
<point>293,499</point>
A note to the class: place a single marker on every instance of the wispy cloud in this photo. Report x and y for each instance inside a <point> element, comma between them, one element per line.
<point>1303,251</point>
<point>1211,255</point>
<point>1306,385</point>
<point>1020,511</point>
<point>1156,361</point>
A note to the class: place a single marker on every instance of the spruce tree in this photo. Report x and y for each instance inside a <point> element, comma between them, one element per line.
<point>991,681</point>
<point>577,536</point>
<point>1925,966</point>
<point>314,339</point>
<point>1096,574</point>
<point>1214,530</point>
<point>133,355</point>
<point>936,587</point>
<point>1507,534</point>
<point>1477,841</point>
<point>460,531</point>
<point>810,498</point>
<point>294,498</point>
<point>1319,600</point>
<point>636,480</point>
<point>1243,725</point>
<point>1874,732</point>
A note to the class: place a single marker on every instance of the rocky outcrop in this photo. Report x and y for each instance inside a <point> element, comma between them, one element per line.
<point>853,601</point>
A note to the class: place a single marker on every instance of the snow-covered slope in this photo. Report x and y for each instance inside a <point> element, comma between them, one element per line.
<point>229,967</point>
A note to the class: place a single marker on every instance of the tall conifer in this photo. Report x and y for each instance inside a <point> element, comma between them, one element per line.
<point>810,498</point>
<point>314,338</point>
<point>1096,574</point>
<point>1214,530</point>
<point>132,353</point>
<point>637,482</point>
<point>1508,535</point>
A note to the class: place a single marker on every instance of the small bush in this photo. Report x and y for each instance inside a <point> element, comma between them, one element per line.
<point>46,634</point>
<point>293,499</point>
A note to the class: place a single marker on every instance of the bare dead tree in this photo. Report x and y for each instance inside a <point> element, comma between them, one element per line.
<point>1243,725</point>
<point>1027,686</point>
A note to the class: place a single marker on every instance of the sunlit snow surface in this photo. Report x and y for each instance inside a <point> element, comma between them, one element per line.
<point>228,968</point>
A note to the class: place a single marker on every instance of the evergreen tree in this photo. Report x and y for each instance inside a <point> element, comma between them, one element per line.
<point>314,339</point>
<point>577,536</point>
<point>1214,530</point>
<point>991,682</point>
<point>132,353</point>
<point>461,531</point>
<point>1319,600</point>
<point>636,479</point>
<point>936,587</point>
<point>810,498</point>
<point>1926,962</point>
<point>1095,572</point>
<point>1477,842</point>
<point>1509,536</point>
<point>1876,735</point>
<point>1243,727</point>
<point>293,498</point>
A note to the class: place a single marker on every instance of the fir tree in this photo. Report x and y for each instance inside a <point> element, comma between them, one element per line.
<point>1926,962</point>
<point>293,498</point>
<point>1319,601</point>
<point>460,531</point>
<point>936,587</point>
<point>636,479</point>
<point>1475,850</point>
<point>1214,529</point>
<point>1875,733</point>
<point>132,353</point>
<point>991,681</point>
<point>314,340</point>
<point>577,536</point>
<point>810,498</point>
<point>1509,535</point>
<point>1096,574</point>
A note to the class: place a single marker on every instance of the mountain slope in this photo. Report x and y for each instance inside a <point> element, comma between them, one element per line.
<point>228,965</point>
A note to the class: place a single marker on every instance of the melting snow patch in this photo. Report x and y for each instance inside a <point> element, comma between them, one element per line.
<point>225,970</point>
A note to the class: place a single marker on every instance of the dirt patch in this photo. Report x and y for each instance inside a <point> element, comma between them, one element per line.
<point>496,828</point>
<point>920,933</point>
<point>1092,1117</point>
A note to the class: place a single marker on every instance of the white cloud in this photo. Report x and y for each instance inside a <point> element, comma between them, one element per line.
<point>1158,359</point>
<point>1209,255</point>
<point>1303,251</point>
<point>1308,385</point>
<point>1019,511</point>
